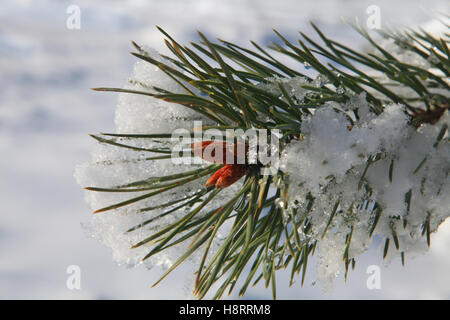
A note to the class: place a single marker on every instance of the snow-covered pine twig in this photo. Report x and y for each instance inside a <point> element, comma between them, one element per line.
<point>364,151</point>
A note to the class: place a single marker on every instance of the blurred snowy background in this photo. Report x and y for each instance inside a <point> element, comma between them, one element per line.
<point>47,110</point>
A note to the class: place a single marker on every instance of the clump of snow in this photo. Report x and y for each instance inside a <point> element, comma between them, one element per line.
<point>329,162</point>
<point>375,168</point>
<point>145,114</point>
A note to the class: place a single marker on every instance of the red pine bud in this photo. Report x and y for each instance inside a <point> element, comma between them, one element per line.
<point>215,176</point>
<point>227,175</point>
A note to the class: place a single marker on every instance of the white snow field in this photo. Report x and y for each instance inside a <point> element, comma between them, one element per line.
<point>47,110</point>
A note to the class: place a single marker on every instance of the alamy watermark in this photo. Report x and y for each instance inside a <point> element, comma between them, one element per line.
<point>374,19</point>
<point>232,146</point>
<point>73,281</point>
<point>374,280</point>
<point>73,21</point>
